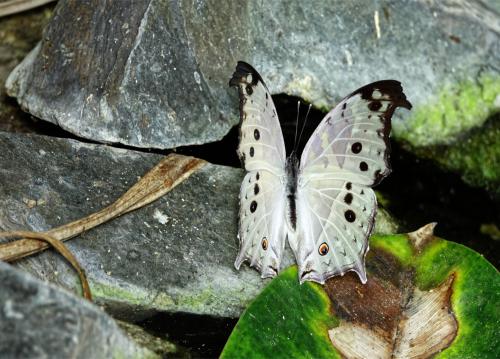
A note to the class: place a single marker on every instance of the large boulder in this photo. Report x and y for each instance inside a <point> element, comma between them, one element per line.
<point>38,320</point>
<point>155,74</point>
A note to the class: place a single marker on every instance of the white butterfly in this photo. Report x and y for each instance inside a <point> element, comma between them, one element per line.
<point>323,204</point>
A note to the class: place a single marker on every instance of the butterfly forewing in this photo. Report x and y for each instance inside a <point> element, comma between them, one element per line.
<point>346,155</point>
<point>355,135</point>
<point>261,140</point>
<point>262,194</point>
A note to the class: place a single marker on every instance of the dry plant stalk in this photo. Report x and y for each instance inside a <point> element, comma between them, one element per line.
<point>10,7</point>
<point>167,174</point>
<point>62,249</point>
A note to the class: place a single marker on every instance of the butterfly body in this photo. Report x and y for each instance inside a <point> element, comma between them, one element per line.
<point>292,169</point>
<point>322,203</point>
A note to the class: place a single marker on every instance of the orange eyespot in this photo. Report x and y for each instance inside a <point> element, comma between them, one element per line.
<point>264,243</point>
<point>323,249</point>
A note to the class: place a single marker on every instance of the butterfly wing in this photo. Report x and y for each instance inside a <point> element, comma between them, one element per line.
<point>262,195</point>
<point>261,142</point>
<point>346,155</point>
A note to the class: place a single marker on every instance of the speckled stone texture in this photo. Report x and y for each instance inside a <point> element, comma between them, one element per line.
<point>155,74</point>
<point>175,254</point>
<point>38,320</point>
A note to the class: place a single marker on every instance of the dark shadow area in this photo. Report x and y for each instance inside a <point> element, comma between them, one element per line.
<point>204,336</point>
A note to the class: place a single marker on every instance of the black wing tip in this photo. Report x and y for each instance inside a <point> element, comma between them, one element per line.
<point>391,87</point>
<point>243,69</point>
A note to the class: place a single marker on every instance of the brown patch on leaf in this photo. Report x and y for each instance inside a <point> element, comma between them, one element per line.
<point>375,304</point>
<point>384,265</point>
<point>422,324</point>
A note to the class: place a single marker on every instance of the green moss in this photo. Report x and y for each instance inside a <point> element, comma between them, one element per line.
<point>457,109</point>
<point>398,245</point>
<point>475,297</point>
<point>131,297</point>
<point>203,301</point>
<point>286,318</point>
<point>476,157</point>
<point>453,131</point>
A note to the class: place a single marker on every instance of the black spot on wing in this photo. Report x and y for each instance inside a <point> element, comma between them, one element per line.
<point>374,105</point>
<point>253,206</point>
<point>256,134</point>
<point>350,216</point>
<point>356,147</point>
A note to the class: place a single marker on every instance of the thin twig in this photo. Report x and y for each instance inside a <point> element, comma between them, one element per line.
<point>59,247</point>
<point>171,171</point>
<point>16,6</point>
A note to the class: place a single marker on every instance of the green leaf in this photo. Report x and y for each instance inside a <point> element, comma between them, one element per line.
<point>425,297</point>
<point>285,318</point>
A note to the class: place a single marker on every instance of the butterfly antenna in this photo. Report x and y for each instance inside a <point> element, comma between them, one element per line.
<point>296,126</point>
<point>305,121</point>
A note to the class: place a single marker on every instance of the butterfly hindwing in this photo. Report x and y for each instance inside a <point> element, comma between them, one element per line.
<point>261,230</point>
<point>346,155</point>
<point>262,194</point>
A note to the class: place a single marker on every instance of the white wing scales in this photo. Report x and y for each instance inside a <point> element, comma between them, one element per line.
<point>334,204</point>
<point>262,233</point>
<point>346,155</point>
<point>262,194</point>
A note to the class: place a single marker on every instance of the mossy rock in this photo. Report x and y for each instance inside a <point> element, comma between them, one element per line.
<point>425,297</point>
<point>460,130</point>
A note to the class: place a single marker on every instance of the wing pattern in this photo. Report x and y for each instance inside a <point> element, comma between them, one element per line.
<point>346,155</point>
<point>262,194</point>
<point>331,198</point>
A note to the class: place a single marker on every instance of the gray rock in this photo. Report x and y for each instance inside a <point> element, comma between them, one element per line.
<point>175,254</point>
<point>155,74</point>
<point>38,320</point>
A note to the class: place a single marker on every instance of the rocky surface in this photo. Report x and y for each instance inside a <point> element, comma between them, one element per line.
<point>38,320</point>
<point>155,75</point>
<point>176,254</point>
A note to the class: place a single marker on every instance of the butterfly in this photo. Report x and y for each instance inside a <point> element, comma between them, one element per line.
<point>323,204</point>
